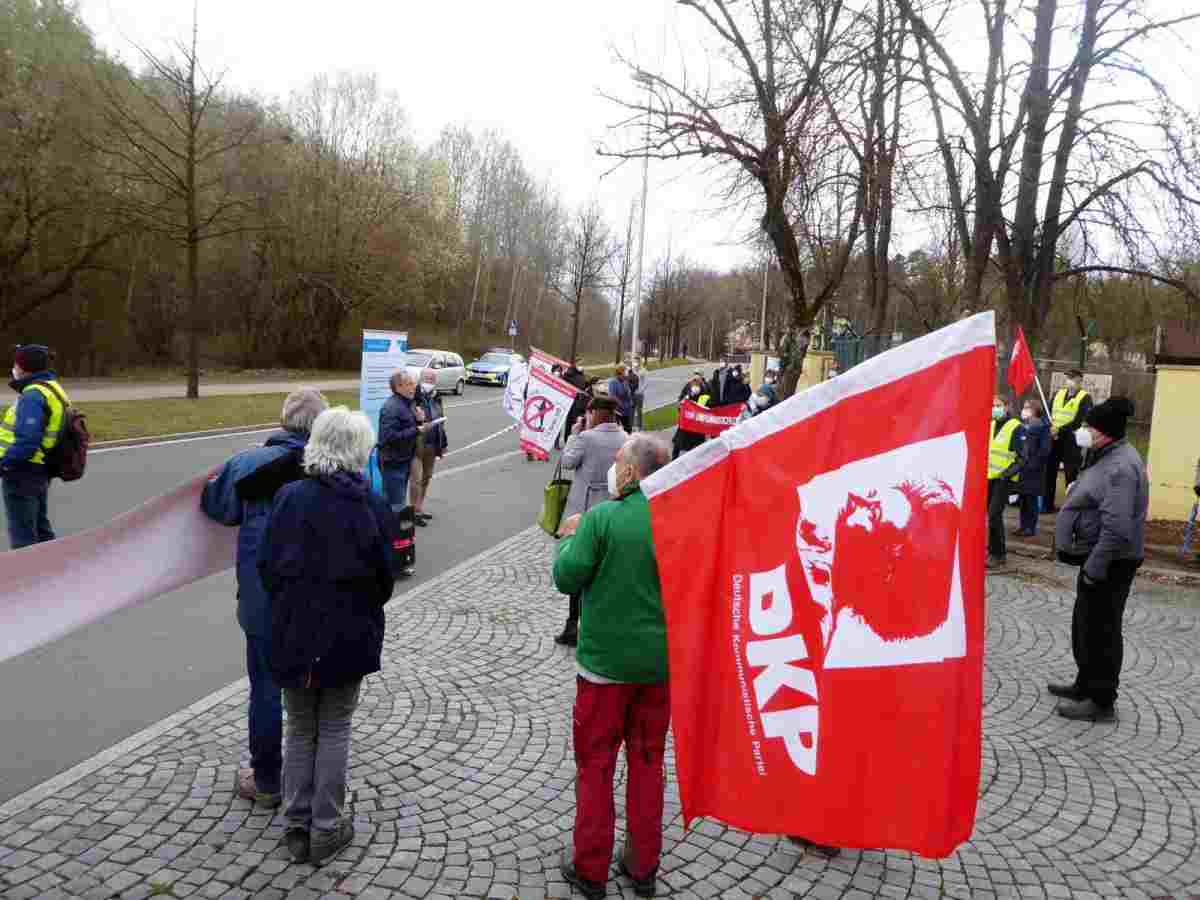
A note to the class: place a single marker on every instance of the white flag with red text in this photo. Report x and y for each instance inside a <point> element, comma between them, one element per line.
<point>826,650</point>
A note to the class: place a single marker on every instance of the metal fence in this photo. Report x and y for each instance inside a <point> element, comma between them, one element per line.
<point>1136,384</point>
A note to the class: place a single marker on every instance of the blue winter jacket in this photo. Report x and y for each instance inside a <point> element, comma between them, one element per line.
<point>326,561</point>
<point>32,415</point>
<point>618,390</point>
<point>242,494</point>
<point>1037,453</point>
<point>397,431</point>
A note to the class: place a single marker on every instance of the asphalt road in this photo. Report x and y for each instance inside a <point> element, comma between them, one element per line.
<point>64,702</point>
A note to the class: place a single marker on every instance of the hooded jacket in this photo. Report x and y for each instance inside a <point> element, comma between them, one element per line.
<point>241,493</point>
<point>16,464</point>
<point>325,561</point>
<point>1104,516</point>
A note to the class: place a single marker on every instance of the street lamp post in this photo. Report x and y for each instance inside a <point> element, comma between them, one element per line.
<point>644,79</point>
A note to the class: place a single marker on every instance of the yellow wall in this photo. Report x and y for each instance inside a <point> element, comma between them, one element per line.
<point>1174,441</point>
<point>817,366</point>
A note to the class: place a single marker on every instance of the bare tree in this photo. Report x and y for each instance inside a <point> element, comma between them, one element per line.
<point>769,127</point>
<point>622,272</point>
<point>164,141</point>
<point>589,252</point>
<point>1048,158</point>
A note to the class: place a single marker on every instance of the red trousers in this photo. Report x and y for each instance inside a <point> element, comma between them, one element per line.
<point>605,716</point>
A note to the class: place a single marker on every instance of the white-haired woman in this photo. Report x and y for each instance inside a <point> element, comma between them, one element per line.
<point>325,560</point>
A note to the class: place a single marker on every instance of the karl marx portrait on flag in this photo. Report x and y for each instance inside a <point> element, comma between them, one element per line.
<point>878,544</point>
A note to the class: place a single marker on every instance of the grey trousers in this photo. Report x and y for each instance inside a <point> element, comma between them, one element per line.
<point>317,753</point>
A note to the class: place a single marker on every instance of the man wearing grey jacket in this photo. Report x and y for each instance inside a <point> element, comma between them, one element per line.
<point>590,453</point>
<point>1101,528</point>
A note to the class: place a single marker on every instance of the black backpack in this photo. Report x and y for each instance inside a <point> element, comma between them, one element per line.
<point>67,459</point>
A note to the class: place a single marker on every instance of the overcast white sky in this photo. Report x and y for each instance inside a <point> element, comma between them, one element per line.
<point>531,68</point>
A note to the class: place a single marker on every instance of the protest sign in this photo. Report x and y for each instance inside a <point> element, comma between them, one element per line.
<point>544,412</point>
<point>701,420</point>
<point>383,352</point>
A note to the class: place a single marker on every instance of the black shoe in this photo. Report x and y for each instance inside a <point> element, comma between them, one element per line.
<point>407,572</point>
<point>424,515</point>
<point>996,562</point>
<point>567,639</point>
<point>1086,711</point>
<point>593,890</point>
<point>821,849</point>
<point>643,887</point>
<point>1065,691</point>
<point>422,522</point>
<point>297,844</point>
<point>323,848</point>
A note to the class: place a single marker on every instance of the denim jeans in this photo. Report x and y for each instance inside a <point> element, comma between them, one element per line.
<point>1029,513</point>
<point>265,717</point>
<point>395,484</point>
<point>28,522</point>
<point>318,754</point>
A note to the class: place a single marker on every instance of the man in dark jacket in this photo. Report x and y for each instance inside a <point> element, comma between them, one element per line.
<point>1102,529</point>
<point>29,430</point>
<point>398,430</point>
<point>737,390</point>
<point>1005,459</point>
<point>1032,480</point>
<point>575,377</point>
<point>1069,409</point>
<point>241,493</point>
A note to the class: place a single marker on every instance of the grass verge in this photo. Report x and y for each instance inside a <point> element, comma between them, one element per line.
<point>123,419</point>
<point>662,418</point>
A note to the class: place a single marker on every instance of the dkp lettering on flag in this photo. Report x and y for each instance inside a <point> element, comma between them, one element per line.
<point>827,655</point>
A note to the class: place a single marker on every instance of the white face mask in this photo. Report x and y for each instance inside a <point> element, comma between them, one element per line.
<point>1026,415</point>
<point>16,375</point>
<point>1084,438</point>
<point>761,401</point>
<point>612,481</point>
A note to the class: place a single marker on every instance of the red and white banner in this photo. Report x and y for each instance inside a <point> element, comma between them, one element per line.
<point>539,359</point>
<point>547,402</point>
<point>53,588</point>
<point>701,420</point>
<point>826,650</point>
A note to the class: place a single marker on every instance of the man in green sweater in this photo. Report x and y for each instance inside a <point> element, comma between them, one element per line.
<point>607,555</point>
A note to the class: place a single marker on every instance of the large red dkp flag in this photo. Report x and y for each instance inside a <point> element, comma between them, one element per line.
<point>826,649</point>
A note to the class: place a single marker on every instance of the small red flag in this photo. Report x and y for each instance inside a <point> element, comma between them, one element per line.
<point>1021,371</point>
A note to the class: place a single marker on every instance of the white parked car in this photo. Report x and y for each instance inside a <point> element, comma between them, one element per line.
<point>442,367</point>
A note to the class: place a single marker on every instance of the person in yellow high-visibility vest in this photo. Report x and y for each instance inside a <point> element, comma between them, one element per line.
<point>1069,409</point>
<point>1006,456</point>
<point>28,431</point>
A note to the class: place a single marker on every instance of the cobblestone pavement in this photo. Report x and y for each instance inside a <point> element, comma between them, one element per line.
<point>461,778</point>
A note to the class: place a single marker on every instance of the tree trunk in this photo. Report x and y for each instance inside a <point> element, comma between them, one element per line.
<point>193,249</point>
<point>575,327</point>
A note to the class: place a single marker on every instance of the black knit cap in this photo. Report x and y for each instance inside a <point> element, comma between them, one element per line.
<point>1111,416</point>
<point>32,357</point>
